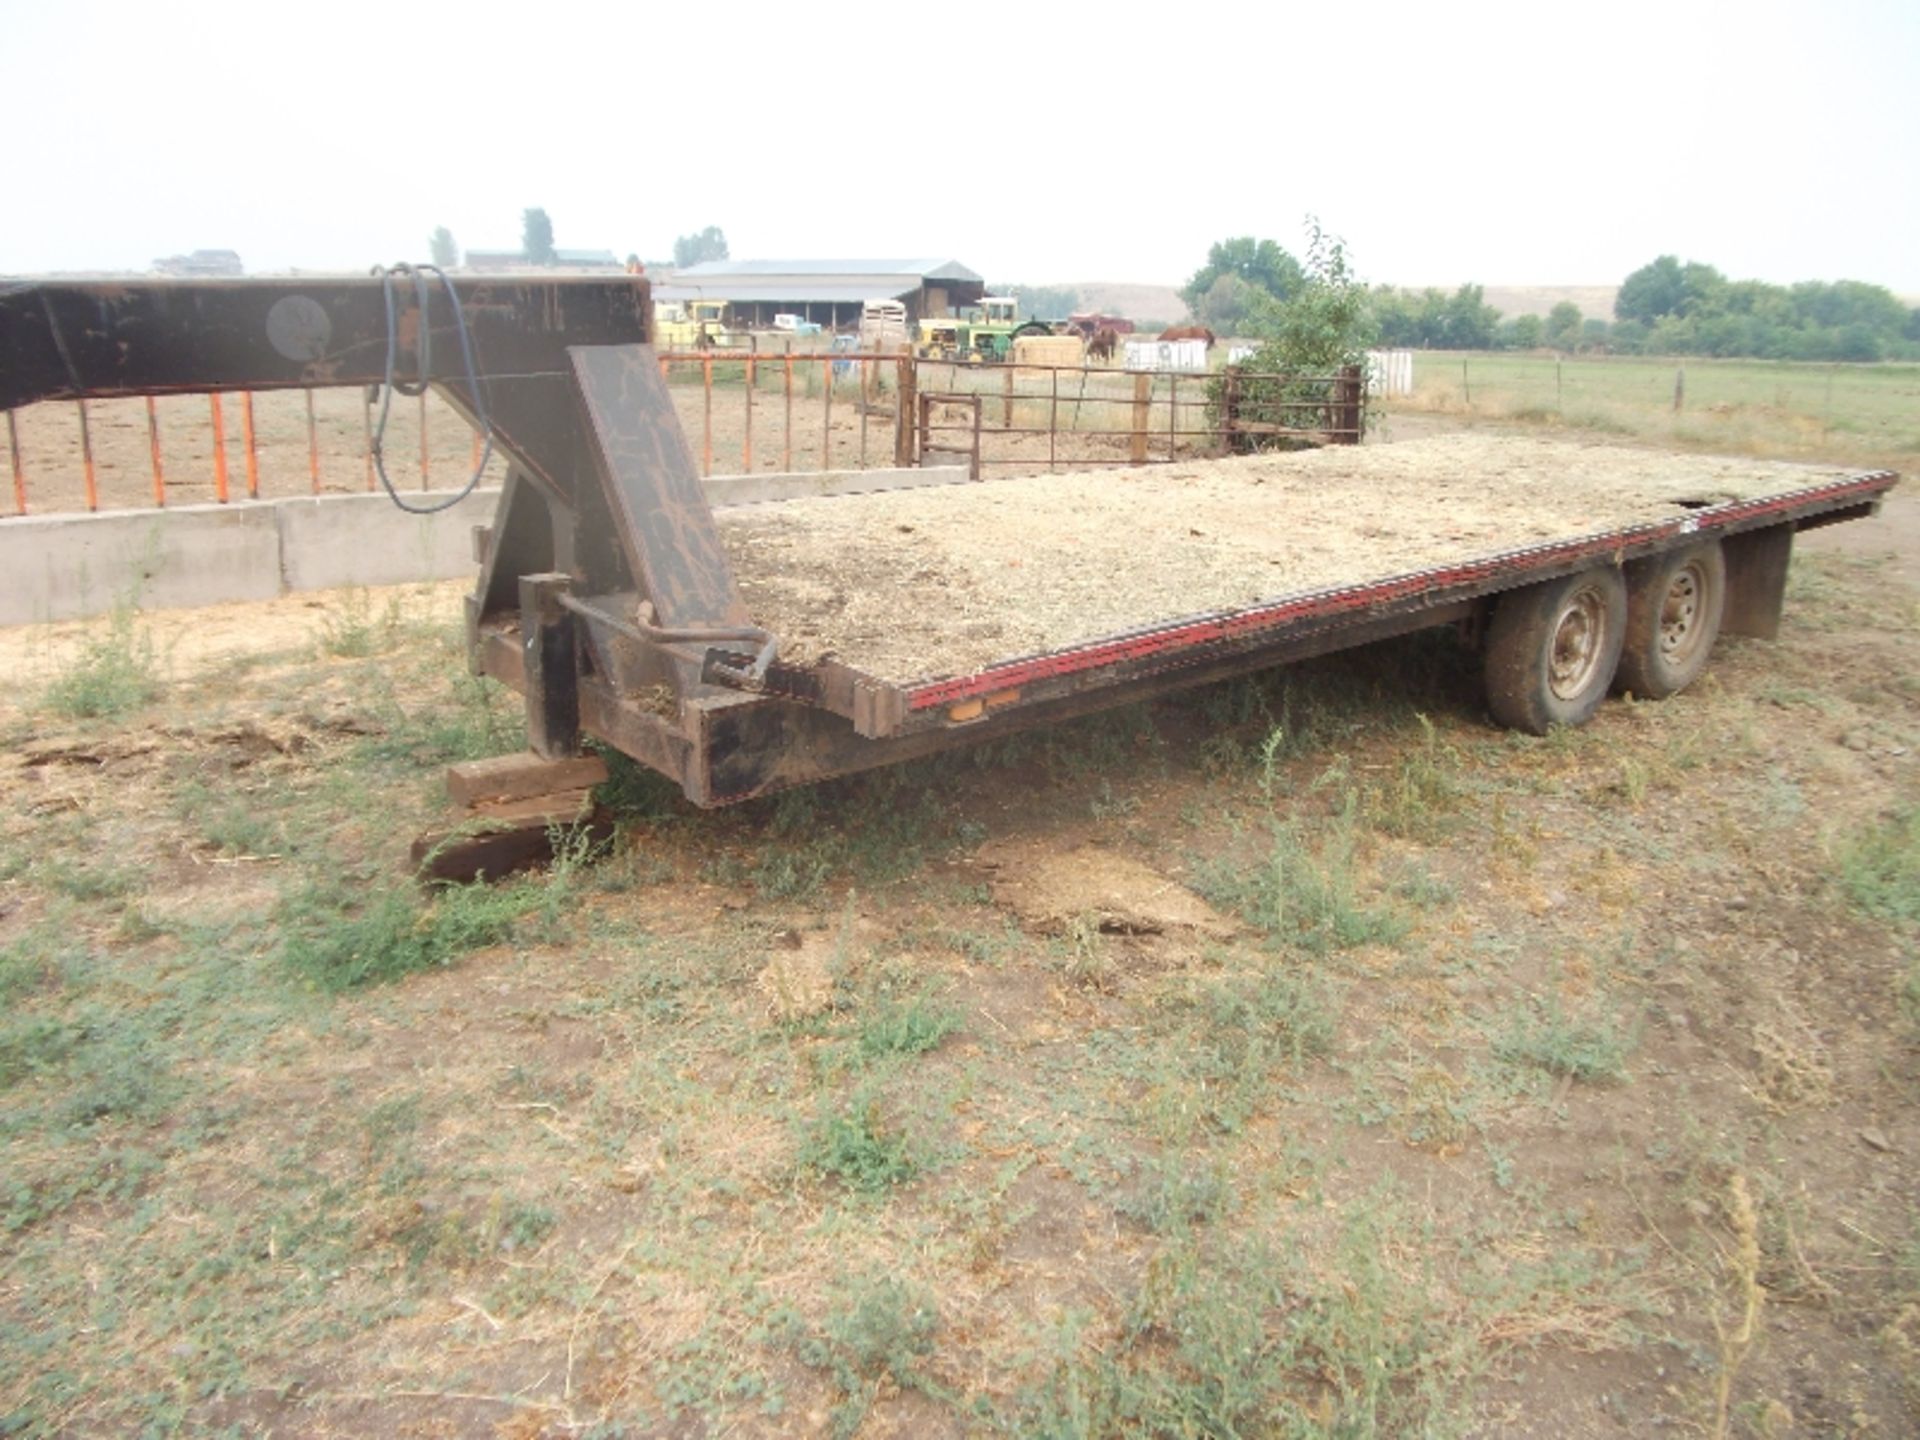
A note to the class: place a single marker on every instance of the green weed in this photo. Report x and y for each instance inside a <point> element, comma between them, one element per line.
<point>30,963</point>
<point>354,630</point>
<point>115,672</point>
<point>1880,869</point>
<point>1593,1048</point>
<point>883,1331</point>
<point>1174,1195</point>
<point>1237,1037</point>
<point>339,939</point>
<point>853,1144</point>
<point>1301,897</point>
<point>911,1028</point>
<point>1252,1343</point>
<point>1422,792</point>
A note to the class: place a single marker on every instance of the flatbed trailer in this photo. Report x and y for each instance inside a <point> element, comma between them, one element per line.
<point>622,608</point>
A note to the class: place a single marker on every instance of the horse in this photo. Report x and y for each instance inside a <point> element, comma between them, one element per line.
<point>1189,332</point>
<point>1102,345</point>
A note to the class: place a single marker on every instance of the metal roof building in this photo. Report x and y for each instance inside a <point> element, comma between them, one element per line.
<point>830,292</point>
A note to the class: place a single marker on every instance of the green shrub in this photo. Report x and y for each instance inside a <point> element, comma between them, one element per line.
<point>115,672</point>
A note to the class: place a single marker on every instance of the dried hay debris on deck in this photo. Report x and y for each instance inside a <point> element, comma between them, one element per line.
<point>1052,890</point>
<point>918,583</point>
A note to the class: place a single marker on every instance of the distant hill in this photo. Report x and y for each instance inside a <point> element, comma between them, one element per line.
<point>1595,301</point>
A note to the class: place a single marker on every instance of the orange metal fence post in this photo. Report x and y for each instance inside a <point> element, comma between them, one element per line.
<point>313,447</point>
<point>786,451</point>
<point>153,445</point>
<point>426,468</point>
<point>473,465</point>
<point>706,414</point>
<point>86,455</point>
<point>866,398</point>
<point>19,473</point>
<point>219,450</point>
<point>826,425</point>
<point>746,444</point>
<point>253,455</point>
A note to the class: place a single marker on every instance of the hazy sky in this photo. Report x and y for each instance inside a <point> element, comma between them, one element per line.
<point>1532,143</point>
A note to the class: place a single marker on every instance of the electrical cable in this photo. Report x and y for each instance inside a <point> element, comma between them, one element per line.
<point>423,298</point>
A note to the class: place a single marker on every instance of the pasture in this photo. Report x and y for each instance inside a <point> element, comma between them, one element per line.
<point>1866,414</point>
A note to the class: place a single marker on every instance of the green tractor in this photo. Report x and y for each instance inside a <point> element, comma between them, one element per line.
<point>991,336</point>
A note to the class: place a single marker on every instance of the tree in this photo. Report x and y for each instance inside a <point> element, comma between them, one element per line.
<point>1409,319</point>
<point>1261,263</point>
<point>708,244</point>
<point>1665,287</point>
<point>1523,332</point>
<point>445,253</point>
<point>1226,305</point>
<point>536,236</point>
<point>1325,324</point>
<point>1470,323</point>
<point>1562,330</point>
<point>1652,292</point>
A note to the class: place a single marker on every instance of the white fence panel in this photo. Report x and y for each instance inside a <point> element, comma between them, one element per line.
<point>1181,355</point>
<point>1389,373</point>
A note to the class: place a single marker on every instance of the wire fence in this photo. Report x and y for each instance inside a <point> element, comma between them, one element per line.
<point>742,412</point>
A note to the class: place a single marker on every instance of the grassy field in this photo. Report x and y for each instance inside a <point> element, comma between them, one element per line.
<point>1301,1057</point>
<point>1865,413</point>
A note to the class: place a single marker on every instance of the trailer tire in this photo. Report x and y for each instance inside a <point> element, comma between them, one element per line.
<point>1552,649</point>
<point>1674,606</point>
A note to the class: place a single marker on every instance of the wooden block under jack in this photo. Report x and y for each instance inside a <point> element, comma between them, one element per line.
<point>499,837</point>
<point>521,777</point>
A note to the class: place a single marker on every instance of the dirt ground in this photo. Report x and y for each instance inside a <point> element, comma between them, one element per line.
<point>1299,1057</point>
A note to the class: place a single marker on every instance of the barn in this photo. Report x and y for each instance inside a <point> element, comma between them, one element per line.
<point>828,292</point>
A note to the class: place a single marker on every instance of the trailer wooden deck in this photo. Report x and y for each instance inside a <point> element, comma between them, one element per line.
<point>912,585</point>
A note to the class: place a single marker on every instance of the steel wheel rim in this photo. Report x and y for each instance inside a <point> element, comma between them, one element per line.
<point>1579,641</point>
<point>1680,614</point>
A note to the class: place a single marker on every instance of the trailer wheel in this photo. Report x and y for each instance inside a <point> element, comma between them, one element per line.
<point>1552,649</point>
<point>1674,605</point>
